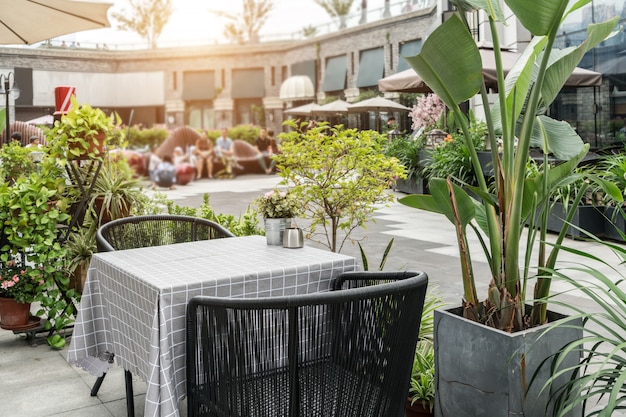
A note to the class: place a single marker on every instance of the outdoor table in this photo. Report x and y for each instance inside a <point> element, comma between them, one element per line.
<point>134,302</point>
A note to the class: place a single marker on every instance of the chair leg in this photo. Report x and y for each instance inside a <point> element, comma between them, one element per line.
<point>96,386</point>
<point>130,401</point>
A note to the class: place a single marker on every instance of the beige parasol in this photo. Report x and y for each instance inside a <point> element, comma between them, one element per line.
<point>30,21</point>
<point>409,82</point>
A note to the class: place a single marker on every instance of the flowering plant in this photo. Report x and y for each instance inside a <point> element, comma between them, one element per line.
<point>278,204</point>
<point>426,112</point>
<point>17,282</point>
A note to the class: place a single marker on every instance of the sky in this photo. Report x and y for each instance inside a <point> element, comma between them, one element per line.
<point>193,21</point>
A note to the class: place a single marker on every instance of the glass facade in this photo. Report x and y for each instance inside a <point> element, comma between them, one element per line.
<point>597,113</point>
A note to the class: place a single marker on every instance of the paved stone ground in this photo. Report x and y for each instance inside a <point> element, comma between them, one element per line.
<point>38,382</point>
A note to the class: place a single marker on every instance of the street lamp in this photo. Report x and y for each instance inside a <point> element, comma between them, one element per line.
<point>9,88</point>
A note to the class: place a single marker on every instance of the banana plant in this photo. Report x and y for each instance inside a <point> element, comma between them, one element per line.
<point>450,64</point>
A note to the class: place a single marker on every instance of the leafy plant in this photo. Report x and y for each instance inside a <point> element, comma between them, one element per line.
<point>278,204</point>
<point>450,64</point>
<point>72,136</point>
<point>339,175</point>
<point>598,383</point>
<point>15,161</point>
<point>453,159</point>
<point>406,151</point>
<point>31,210</point>
<point>115,191</point>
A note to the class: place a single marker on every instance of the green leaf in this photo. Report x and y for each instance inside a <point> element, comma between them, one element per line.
<point>449,63</point>
<point>539,17</point>
<point>560,138</point>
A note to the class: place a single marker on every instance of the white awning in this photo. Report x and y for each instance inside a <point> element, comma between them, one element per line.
<point>297,87</point>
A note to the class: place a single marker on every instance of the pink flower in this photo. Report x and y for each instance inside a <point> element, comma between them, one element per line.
<point>16,279</point>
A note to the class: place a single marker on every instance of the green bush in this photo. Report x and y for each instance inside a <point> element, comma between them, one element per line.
<point>139,137</point>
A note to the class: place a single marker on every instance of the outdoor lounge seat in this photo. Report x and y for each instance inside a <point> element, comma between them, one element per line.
<point>152,230</point>
<point>337,353</point>
<point>246,156</point>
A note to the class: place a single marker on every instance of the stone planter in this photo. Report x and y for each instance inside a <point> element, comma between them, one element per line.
<point>481,371</point>
<point>614,223</point>
<point>274,230</point>
<point>589,218</point>
<point>410,186</point>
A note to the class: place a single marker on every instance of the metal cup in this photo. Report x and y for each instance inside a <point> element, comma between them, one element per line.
<point>293,238</point>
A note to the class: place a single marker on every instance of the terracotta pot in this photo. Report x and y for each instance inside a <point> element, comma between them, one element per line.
<point>13,314</point>
<point>104,214</point>
<point>95,149</point>
<point>77,278</point>
<point>416,410</point>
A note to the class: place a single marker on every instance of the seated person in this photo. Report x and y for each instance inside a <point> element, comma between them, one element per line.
<point>204,156</point>
<point>224,152</point>
<point>165,173</point>
<point>179,156</point>
<point>264,147</point>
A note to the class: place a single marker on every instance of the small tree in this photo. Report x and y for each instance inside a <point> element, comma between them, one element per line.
<point>340,175</point>
<point>147,18</point>
<point>337,8</point>
<point>245,26</point>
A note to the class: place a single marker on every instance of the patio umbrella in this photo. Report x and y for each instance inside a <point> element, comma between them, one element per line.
<point>304,110</point>
<point>337,107</point>
<point>377,104</point>
<point>32,21</point>
<point>409,82</point>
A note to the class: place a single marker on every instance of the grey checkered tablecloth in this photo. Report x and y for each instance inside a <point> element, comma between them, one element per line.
<point>134,302</point>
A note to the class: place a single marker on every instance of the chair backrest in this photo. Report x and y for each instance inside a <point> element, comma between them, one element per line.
<point>336,353</point>
<point>143,231</point>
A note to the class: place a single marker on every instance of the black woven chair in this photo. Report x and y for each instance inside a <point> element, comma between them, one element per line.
<point>145,231</point>
<point>338,353</point>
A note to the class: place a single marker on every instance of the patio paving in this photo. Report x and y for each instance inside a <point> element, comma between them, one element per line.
<point>38,382</point>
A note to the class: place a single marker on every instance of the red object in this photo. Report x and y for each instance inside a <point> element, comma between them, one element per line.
<point>184,173</point>
<point>62,96</point>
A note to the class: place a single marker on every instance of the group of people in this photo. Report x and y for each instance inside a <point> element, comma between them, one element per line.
<point>204,156</point>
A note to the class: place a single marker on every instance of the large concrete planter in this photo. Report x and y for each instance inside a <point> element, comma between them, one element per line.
<point>589,218</point>
<point>481,371</point>
<point>410,186</point>
<point>614,222</point>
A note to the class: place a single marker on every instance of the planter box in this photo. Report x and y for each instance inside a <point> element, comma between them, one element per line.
<point>613,223</point>
<point>412,186</point>
<point>589,218</point>
<point>486,163</point>
<point>481,371</point>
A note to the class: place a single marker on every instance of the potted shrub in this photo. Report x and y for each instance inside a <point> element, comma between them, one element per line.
<point>82,132</point>
<point>487,346</point>
<point>80,246</point>
<point>278,209</point>
<point>115,191</point>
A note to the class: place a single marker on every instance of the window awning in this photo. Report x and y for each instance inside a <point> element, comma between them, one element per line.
<point>248,83</point>
<point>199,85</point>
<point>335,73</point>
<point>407,49</point>
<point>297,87</point>
<point>371,67</point>
<point>307,68</point>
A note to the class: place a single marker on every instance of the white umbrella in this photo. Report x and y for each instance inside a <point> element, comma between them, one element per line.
<point>32,21</point>
<point>377,104</point>
<point>332,109</point>
<point>304,110</point>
